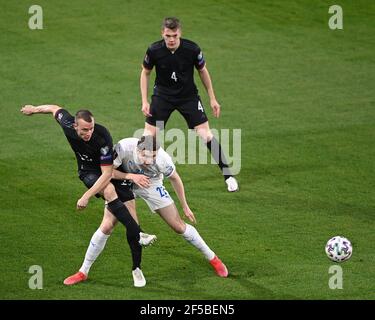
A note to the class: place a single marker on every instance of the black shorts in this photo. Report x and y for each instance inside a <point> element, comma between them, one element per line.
<point>191,109</point>
<point>123,188</point>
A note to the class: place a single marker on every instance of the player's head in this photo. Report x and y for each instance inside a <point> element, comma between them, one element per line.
<point>147,149</point>
<point>84,124</point>
<point>171,32</point>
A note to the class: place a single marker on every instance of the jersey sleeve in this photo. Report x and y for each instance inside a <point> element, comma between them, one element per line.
<point>167,167</point>
<point>64,119</point>
<point>148,61</point>
<point>199,61</point>
<point>106,150</point>
<point>117,155</point>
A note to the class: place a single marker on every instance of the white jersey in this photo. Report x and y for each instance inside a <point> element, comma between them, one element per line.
<point>127,158</point>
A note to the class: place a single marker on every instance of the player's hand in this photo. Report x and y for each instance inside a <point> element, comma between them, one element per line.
<point>146,109</point>
<point>141,180</point>
<point>27,109</point>
<point>189,214</point>
<point>215,108</point>
<point>82,203</point>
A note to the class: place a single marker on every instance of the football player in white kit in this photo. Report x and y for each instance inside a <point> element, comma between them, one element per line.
<point>145,163</point>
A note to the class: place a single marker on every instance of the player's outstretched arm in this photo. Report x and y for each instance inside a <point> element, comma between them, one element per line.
<point>29,109</point>
<point>206,80</point>
<point>178,187</point>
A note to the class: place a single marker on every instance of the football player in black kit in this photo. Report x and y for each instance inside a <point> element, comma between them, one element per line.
<point>93,148</point>
<point>174,59</point>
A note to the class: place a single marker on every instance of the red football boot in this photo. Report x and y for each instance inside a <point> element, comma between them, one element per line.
<point>75,278</point>
<point>220,268</point>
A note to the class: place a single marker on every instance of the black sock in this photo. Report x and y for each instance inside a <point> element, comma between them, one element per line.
<point>119,210</point>
<point>136,250</point>
<point>218,155</point>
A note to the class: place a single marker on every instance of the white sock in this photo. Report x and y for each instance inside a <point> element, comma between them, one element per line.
<point>96,246</point>
<point>191,234</point>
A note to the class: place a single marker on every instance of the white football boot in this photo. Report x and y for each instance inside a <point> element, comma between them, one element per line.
<point>138,277</point>
<point>146,239</point>
<point>232,184</point>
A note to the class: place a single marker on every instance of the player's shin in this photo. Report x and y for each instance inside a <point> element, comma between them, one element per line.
<point>136,250</point>
<point>191,235</point>
<point>122,214</point>
<point>218,154</point>
<point>96,246</point>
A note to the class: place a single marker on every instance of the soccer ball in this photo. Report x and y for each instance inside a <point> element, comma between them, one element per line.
<point>339,249</point>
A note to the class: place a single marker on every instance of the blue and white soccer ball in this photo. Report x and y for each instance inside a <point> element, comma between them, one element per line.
<point>339,249</point>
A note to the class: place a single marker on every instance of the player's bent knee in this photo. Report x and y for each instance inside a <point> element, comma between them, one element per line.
<point>107,226</point>
<point>149,130</point>
<point>109,193</point>
<point>205,134</point>
<point>106,231</point>
<point>180,227</point>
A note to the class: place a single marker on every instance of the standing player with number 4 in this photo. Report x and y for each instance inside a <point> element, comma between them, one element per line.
<point>174,59</point>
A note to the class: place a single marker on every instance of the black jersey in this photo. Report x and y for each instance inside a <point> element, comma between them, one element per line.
<point>92,154</point>
<point>174,70</point>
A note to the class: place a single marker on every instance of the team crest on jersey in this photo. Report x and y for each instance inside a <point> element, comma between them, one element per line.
<point>60,115</point>
<point>104,150</point>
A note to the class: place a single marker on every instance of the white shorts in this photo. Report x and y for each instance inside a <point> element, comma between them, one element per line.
<point>156,196</point>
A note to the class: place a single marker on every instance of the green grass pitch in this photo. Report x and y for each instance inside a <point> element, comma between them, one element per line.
<point>302,94</point>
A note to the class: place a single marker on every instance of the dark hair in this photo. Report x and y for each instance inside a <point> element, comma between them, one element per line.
<point>85,115</point>
<point>171,23</point>
<point>149,143</point>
